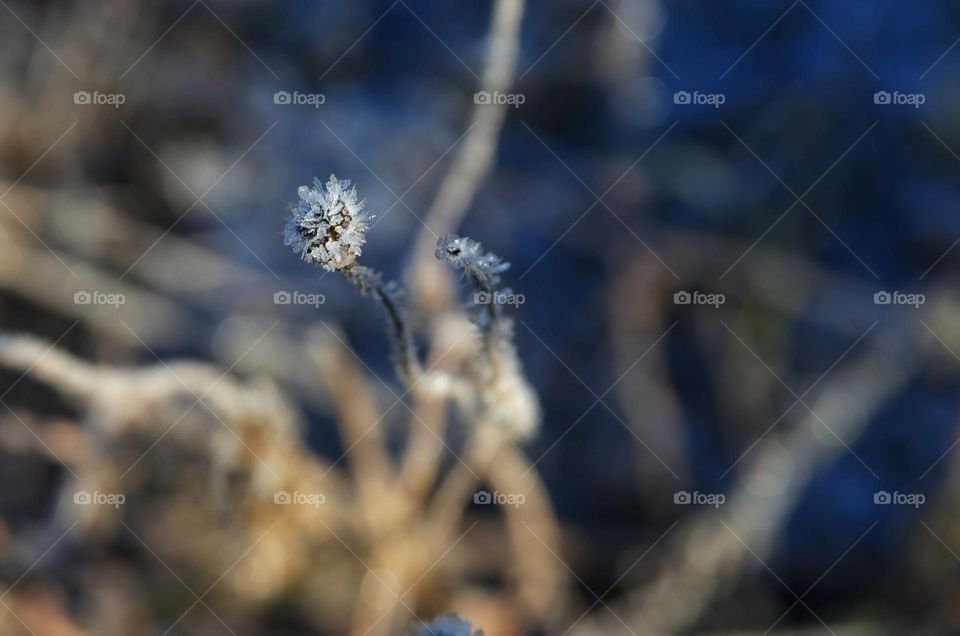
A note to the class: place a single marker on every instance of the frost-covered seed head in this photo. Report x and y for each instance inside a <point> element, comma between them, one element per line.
<point>447,625</point>
<point>328,225</point>
<point>464,253</point>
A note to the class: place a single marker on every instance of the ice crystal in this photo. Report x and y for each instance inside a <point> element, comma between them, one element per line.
<point>447,625</point>
<point>328,225</point>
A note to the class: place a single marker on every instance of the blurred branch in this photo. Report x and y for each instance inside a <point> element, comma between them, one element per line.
<point>360,428</point>
<point>709,554</point>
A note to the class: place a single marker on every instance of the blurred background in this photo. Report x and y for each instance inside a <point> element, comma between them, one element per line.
<point>734,229</point>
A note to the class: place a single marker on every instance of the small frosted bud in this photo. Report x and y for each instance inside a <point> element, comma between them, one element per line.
<point>328,224</point>
<point>464,253</point>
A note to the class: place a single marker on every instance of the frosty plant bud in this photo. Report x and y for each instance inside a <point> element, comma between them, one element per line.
<point>328,225</point>
<point>507,401</point>
<point>461,252</point>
